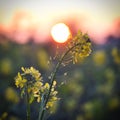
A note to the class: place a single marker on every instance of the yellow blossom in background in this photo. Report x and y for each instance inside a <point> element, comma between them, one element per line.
<point>110,75</point>
<point>116,55</point>
<point>70,104</point>
<point>43,59</point>
<point>80,117</point>
<point>88,108</point>
<point>13,118</point>
<point>99,58</point>
<point>11,95</point>
<point>105,88</point>
<point>6,66</point>
<point>114,103</point>
<point>4,116</point>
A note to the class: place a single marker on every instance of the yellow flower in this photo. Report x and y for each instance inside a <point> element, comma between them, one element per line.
<point>38,97</point>
<point>54,83</point>
<point>54,98</point>
<point>54,93</point>
<point>38,84</point>
<point>19,81</point>
<point>46,86</point>
<point>29,89</point>
<point>81,47</point>
<point>32,71</point>
<point>86,50</point>
<point>33,84</point>
<point>49,104</point>
<point>52,104</point>
<point>35,90</point>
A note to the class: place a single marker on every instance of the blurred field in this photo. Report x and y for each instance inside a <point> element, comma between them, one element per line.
<point>91,90</point>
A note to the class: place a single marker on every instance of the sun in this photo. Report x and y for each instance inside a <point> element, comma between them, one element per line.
<point>60,32</point>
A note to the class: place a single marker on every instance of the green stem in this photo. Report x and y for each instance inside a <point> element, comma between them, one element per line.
<point>53,78</point>
<point>28,104</point>
<point>41,113</point>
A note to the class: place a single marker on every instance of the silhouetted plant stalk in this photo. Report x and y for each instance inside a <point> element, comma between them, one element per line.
<point>28,104</point>
<point>53,75</point>
<point>45,93</point>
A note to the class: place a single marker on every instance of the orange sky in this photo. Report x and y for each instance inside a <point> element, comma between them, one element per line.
<point>20,19</point>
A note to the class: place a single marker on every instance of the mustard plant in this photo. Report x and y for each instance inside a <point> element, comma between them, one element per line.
<point>31,83</point>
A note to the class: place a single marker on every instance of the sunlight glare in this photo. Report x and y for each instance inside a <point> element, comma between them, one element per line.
<point>60,32</point>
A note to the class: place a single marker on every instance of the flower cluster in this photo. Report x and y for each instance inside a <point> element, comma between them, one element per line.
<point>22,79</point>
<point>31,80</point>
<point>19,81</point>
<point>80,47</point>
<point>53,97</point>
<point>43,92</point>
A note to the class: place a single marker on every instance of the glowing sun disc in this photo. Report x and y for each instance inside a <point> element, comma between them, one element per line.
<point>60,32</point>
